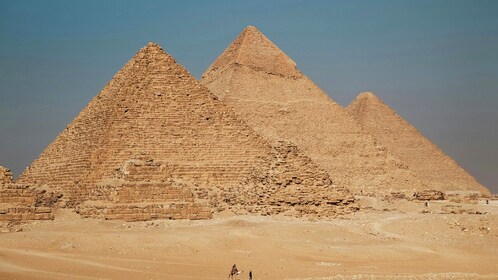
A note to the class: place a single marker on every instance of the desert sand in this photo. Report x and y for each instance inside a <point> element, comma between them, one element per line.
<point>385,240</point>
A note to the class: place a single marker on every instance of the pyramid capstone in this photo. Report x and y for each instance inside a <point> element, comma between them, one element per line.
<point>253,49</point>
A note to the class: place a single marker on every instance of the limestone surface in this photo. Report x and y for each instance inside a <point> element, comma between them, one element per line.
<point>22,203</point>
<point>436,169</point>
<point>286,180</point>
<point>5,175</point>
<point>147,141</point>
<point>266,89</point>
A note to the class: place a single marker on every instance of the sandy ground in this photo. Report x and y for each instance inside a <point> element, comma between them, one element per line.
<point>385,240</point>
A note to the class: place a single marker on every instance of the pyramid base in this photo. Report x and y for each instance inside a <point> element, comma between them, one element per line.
<point>132,212</point>
<point>23,203</point>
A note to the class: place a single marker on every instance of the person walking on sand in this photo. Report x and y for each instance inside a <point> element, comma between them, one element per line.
<point>250,275</point>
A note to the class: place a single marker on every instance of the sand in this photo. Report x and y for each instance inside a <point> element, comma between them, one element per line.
<point>384,240</point>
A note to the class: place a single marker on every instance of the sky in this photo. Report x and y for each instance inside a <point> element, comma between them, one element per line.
<point>435,62</point>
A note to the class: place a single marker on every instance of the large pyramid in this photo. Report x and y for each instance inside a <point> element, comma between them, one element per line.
<point>154,143</point>
<point>437,170</point>
<point>266,89</point>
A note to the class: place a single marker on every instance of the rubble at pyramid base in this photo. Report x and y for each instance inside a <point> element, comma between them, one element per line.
<point>285,183</point>
<point>134,195</point>
<point>22,203</point>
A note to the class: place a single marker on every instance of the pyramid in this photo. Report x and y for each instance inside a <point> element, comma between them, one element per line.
<point>437,170</point>
<point>266,89</point>
<point>154,143</point>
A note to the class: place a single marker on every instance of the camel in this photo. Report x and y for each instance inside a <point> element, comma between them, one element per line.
<point>234,272</point>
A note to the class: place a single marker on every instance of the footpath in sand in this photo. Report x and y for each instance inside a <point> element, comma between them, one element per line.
<point>385,240</point>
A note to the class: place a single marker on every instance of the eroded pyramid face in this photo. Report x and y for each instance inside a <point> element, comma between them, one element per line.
<point>155,137</point>
<point>266,89</point>
<point>437,170</point>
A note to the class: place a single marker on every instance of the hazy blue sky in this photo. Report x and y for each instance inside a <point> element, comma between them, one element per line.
<point>435,62</point>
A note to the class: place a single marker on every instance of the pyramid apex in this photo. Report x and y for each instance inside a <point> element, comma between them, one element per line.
<point>152,46</point>
<point>253,49</point>
<point>251,28</point>
<point>367,94</point>
<point>153,51</point>
<point>365,100</point>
